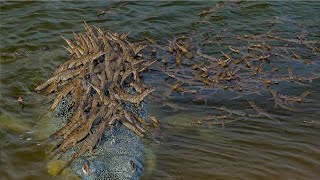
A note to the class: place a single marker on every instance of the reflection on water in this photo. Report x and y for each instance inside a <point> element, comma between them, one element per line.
<point>259,148</point>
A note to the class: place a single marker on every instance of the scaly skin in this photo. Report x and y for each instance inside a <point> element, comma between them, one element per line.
<point>118,156</point>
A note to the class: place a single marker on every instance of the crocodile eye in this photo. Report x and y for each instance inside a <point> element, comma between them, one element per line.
<point>132,166</point>
<point>86,167</point>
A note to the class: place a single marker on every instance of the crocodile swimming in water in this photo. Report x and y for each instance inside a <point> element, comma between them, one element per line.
<point>100,108</point>
<point>119,155</point>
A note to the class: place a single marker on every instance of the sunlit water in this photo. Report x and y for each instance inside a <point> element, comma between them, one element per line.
<point>254,149</point>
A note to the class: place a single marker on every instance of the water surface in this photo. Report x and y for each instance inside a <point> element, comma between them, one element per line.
<point>255,149</point>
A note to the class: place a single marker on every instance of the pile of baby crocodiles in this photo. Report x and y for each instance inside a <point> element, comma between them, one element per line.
<point>102,65</point>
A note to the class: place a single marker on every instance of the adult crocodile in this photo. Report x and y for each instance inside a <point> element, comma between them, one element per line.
<point>119,155</point>
<point>99,107</point>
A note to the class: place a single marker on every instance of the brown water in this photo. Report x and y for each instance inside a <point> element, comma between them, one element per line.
<point>254,149</point>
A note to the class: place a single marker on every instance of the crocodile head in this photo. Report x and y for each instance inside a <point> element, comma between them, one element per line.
<point>118,156</point>
<point>100,167</point>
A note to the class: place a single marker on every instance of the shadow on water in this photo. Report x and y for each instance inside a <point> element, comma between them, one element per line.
<point>31,49</point>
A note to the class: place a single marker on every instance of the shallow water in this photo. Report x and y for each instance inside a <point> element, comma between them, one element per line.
<point>254,149</point>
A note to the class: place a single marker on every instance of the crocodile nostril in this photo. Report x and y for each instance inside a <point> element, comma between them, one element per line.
<point>132,166</point>
<point>86,167</point>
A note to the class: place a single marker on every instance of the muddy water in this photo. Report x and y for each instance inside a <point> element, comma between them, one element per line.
<point>256,149</point>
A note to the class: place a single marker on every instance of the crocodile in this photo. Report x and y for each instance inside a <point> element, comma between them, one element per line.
<point>100,111</point>
<point>119,154</point>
